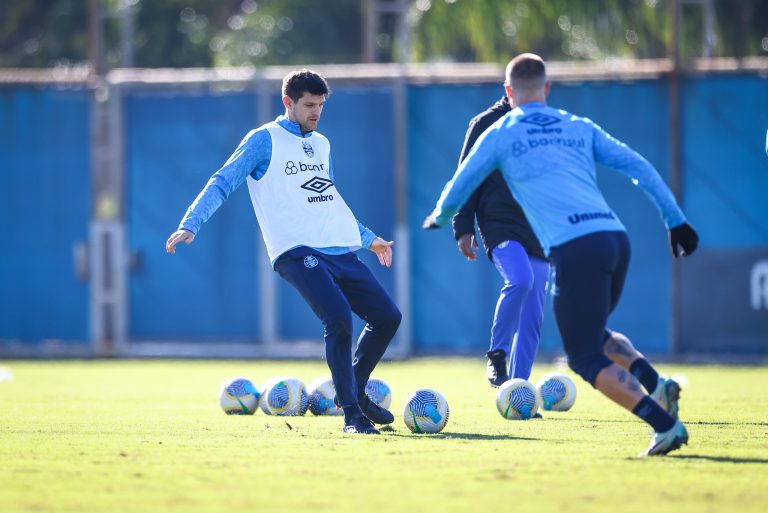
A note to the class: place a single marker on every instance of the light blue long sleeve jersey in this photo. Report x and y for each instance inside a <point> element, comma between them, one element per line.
<point>252,158</point>
<point>547,157</point>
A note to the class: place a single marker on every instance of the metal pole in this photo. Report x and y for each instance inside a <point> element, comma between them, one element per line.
<point>126,9</point>
<point>269,310</point>
<point>370,25</point>
<point>675,174</point>
<point>402,232</point>
<point>709,28</point>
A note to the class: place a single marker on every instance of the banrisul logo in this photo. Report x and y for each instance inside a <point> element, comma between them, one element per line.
<point>539,119</point>
<point>308,149</point>
<point>291,168</point>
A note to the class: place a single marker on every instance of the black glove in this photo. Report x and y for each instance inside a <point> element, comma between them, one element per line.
<point>683,239</point>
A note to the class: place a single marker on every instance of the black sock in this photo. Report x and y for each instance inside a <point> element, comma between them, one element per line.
<point>650,411</point>
<point>645,374</point>
<point>351,412</point>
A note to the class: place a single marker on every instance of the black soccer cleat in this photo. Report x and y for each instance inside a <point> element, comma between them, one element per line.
<point>360,425</point>
<point>497,367</point>
<point>374,412</point>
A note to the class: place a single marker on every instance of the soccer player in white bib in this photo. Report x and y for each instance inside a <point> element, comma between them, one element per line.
<point>547,156</point>
<point>311,235</point>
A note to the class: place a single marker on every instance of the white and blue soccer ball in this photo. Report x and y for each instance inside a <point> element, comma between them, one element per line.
<point>287,397</point>
<point>557,391</point>
<point>517,399</point>
<point>426,411</point>
<point>239,396</point>
<point>379,392</point>
<point>320,394</point>
<point>265,391</point>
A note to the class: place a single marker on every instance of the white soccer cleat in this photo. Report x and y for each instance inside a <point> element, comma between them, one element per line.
<point>667,394</point>
<point>668,441</point>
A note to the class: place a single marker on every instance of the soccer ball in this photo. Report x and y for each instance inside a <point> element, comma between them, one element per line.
<point>287,397</point>
<point>320,396</point>
<point>379,392</point>
<point>239,396</point>
<point>265,391</point>
<point>517,399</point>
<point>557,391</point>
<point>426,411</point>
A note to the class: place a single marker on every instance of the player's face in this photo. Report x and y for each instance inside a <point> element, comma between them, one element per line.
<point>305,111</point>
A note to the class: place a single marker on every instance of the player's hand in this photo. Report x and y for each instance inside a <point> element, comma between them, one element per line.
<point>468,246</point>
<point>178,236</point>
<point>383,250</point>
<point>429,223</point>
<point>683,239</point>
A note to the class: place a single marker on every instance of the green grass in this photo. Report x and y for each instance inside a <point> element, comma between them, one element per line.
<point>111,436</point>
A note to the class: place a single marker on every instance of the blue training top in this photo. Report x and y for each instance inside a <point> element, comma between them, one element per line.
<point>547,157</point>
<point>251,157</point>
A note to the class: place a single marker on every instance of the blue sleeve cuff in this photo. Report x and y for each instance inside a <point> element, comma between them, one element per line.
<point>366,236</point>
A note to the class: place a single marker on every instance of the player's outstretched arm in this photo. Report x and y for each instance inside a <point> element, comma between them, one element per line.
<point>383,250</point>
<point>182,235</point>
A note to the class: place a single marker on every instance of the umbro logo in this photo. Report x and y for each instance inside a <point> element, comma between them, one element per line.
<point>317,184</point>
<point>539,119</point>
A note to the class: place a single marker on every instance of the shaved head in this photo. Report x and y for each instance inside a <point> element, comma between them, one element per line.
<point>526,74</point>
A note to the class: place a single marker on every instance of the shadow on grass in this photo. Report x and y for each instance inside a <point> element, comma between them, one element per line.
<point>718,459</point>
<point>723,423</point>
<point>460,436</point>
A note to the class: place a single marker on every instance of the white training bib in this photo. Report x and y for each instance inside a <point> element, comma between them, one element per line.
<point>295,201</point>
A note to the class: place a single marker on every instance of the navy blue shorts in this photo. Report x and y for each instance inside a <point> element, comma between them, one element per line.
<point>589,277</point>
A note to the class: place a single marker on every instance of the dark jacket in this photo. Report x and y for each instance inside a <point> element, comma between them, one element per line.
<point>499,216</point>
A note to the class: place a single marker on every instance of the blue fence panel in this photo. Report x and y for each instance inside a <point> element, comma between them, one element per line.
<point>44,210</point>
<point>452,299</point>
<point>175,140</point>
<point>209,290</point>
<point>725,169</point>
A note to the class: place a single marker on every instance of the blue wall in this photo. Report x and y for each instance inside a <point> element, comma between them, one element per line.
<point>175,139</point>
<point>44,210</point>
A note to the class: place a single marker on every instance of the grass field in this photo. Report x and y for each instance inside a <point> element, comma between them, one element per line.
<point>112,436</point>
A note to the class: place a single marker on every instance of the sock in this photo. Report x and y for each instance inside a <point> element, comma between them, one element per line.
<point>650,411</point>
<point>645,374</point>
<point>351,412</point>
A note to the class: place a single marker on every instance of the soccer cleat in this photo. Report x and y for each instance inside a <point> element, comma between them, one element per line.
<point>360,425</point>
<point>667,394</point>
<point>668,441</point>
<point>374,412</point>
<point>497,367</point>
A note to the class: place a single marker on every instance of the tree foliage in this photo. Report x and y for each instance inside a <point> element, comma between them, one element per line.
<point>192,33</point>
<point>486,30</point>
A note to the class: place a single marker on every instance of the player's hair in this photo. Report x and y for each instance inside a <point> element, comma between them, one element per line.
<point>526,73</point>
<point>301,81</point>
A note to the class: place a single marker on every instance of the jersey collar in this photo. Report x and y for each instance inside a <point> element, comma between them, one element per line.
<point>292,127</point>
